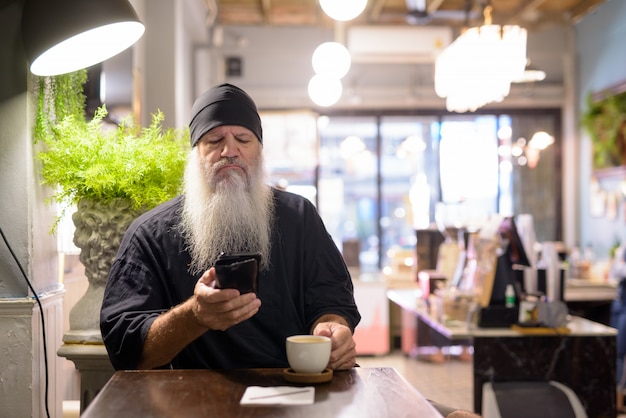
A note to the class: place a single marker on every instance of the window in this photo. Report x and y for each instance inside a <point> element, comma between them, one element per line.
<point>348,187</point>
<point>376,178</point>
<point>291,151</point>
<point>408,172</point>
<point>468,155</point>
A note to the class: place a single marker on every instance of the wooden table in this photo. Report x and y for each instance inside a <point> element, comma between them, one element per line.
<point>359,392</point>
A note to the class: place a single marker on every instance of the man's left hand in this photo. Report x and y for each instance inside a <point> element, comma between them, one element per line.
<point>343,351</point>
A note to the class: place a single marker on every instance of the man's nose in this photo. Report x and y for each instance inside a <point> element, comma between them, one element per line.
<point>231,147</point>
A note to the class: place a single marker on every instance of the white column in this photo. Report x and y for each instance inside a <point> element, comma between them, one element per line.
<point>22,369</point>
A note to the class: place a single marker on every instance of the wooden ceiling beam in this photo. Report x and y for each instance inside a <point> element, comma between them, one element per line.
<point>434,6</point>
<point>266,10</point>
<point>526,7</point>
<point>376,10</point>
<point>529,13</point>
<point>583,8</point>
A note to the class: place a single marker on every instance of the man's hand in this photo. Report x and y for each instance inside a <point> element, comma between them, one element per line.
<point>343,351</point>
<point>208,308</point>
<point>221,309</point>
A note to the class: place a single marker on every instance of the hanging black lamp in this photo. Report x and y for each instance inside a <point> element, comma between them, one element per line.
<point>61,36</point>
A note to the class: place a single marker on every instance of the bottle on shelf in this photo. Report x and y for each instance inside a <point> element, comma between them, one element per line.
<point>574,260</point>
<point>587,262</point>
<point>509,296</point>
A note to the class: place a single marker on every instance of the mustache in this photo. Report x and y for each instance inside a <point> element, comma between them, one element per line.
<point>230,161</point>
<point>225,161</point>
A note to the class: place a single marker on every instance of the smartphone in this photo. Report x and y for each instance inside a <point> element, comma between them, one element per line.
<point>238,271</point>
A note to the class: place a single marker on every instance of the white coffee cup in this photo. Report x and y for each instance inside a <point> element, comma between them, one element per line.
<point>308,353</point>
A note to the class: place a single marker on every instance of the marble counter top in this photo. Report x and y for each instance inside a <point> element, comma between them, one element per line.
<point>409,300</point>
<point>579,327</point>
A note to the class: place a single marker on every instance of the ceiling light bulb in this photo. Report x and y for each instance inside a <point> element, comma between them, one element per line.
<point>324,90</point>
<point>540,140</point>
<point>331,59</point>
<point>343,10</point>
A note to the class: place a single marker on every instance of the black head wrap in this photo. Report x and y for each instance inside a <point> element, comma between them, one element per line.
<point>223,105</point>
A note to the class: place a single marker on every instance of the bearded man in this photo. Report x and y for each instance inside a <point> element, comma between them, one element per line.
<point>161,307</point>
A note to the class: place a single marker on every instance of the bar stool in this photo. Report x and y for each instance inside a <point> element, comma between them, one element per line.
<point>530,399</point>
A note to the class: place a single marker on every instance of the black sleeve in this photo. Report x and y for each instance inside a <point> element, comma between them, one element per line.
<point>148,277</point>
<point>128,310</point>
<point>329,288</point>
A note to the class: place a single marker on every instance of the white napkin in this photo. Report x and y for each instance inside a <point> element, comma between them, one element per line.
<point>278,395</point>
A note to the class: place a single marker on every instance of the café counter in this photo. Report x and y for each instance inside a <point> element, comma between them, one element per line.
<point>581,356</point>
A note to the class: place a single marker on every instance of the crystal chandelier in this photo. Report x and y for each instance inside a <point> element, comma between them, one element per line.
<point>479,66</point>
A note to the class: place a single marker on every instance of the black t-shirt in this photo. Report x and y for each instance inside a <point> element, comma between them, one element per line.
<point>307,278</point>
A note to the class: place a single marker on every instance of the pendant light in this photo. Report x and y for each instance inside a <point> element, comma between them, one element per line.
<point>331,59</point>
<point>343,10</point>
<point>61,36</point>
<point>324,90</point>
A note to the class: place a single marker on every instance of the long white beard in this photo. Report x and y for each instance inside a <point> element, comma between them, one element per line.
<point>225,212</point>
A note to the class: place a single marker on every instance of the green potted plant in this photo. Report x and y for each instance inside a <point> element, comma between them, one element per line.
<point>111,173</point>
<point>605,121</point>
<point>83,159</point>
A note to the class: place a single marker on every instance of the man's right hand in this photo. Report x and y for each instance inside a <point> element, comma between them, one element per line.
<point>208,308</point>
<point>220,309</point>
